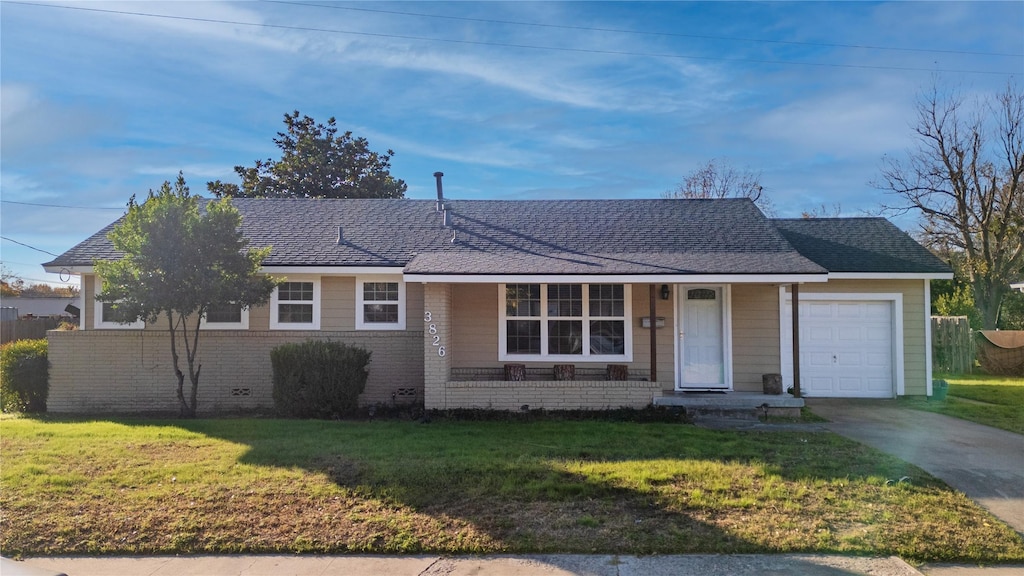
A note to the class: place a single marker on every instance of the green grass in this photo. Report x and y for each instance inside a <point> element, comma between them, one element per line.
<point>996,401</point>
<point>123,486</point>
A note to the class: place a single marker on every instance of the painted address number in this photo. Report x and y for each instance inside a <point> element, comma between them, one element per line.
<point>432,330</point>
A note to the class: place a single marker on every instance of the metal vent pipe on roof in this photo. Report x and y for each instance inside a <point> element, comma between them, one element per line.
<point>341,235</point>
<point>440,191</point>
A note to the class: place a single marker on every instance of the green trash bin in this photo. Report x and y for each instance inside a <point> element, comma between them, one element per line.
<point>939,390</point>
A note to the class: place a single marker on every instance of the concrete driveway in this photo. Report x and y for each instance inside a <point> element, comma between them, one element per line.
<point>986,464</point>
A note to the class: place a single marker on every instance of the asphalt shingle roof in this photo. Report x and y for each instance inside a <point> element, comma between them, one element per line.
<point>545,237</point>
<point>859,245</point>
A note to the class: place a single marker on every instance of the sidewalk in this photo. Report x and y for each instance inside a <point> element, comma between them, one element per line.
<point>546,565</point>
<point>532,565</point>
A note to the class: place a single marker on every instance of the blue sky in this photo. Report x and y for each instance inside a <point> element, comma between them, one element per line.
<point>509,100</point>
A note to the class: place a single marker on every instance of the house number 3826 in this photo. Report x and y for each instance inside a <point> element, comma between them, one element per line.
<point>435,338</point>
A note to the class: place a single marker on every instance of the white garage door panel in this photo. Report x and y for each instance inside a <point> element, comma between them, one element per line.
<point>846,349</point>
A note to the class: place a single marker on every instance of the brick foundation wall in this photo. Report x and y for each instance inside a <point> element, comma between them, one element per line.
<point>549,395</point>
<point>128,372</point>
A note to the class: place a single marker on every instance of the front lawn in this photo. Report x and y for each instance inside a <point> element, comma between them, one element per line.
<point>996,401</point>
<point>123,486</point>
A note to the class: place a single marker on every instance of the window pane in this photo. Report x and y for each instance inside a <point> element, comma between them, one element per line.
<point>607,300</point>
<point>701,294</point>
<point>295,291</point>
<point>565,300</point>
<point>565,337</point>
<point>607,337</point>
<point>522,300</point>
<point>295,313</point>
<point>226,313</point>
<point>523,336</point>
<point>380,313</point>
<point>112,314</point>
<point>380,292</point>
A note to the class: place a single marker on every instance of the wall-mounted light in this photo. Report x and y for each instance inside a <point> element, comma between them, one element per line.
<point>665,292</point>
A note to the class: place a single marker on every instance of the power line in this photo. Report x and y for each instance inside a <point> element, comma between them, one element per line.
<point>643,32</point>
<point>46,281</point>
<point>27,246</point>
<point>511,45</point>
<point>60,205</point>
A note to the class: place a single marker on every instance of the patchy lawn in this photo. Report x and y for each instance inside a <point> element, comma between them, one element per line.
<point>123,486</point>
<point>996,401</point>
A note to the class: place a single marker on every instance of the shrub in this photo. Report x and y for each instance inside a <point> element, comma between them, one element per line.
<point>318,379</point>
<point>24,376</point>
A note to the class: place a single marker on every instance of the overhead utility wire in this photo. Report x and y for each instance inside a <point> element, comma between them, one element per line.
<point>27,246</point>
<point>509,45</point>
<point>60,205</point>
<point>641,32</point>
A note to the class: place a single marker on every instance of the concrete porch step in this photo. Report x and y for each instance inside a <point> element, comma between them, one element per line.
<point>742,406</point>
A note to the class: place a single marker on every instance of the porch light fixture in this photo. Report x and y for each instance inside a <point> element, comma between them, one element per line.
<point>665,292</point>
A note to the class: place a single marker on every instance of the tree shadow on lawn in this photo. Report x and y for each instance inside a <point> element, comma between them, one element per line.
<point>545,487</point>
<point>604,487</point>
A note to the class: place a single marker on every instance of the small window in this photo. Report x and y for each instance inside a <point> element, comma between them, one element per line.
<point>107,316</point>
<point>701,294</point>
<point>380,303</point>
<point>295,305</point>
<point>225,317</point>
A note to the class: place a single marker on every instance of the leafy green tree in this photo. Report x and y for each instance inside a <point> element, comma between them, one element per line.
<point>180,259</point>
<point>316,163</point>
<point>966,179</point>
<point>958,302</point>
<point>1011,317</point>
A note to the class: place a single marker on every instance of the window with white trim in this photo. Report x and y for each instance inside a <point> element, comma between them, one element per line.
<point>295,305</point>
<point>380,303</point>
<point>106,317</point>
<point>565,322</point>
<point>225,317</point>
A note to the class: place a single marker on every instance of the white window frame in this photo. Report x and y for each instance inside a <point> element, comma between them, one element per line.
<point>586,356</point>
<point>361,323</point>
<point>242,324</point>
<point>99,323</point>
<point>275,324</point>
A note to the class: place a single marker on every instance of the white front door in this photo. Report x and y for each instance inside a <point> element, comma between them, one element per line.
<point>703,330</point>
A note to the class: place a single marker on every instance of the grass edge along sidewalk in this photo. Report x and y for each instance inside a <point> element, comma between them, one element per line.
<point>226,486</point>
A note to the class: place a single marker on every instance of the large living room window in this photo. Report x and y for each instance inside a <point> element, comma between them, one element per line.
<point>295,305</point>
<point>380,303</point>
<point>565,322</point>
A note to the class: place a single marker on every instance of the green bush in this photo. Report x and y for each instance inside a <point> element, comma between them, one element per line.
<point>318,379</point>
<point>24,376</point>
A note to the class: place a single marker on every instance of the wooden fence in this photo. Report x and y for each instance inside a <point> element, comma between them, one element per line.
<point>26,328</point>
<point>953,349</point>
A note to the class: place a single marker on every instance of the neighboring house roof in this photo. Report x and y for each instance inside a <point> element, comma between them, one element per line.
<point>859,245</point>
<point>539,237</point>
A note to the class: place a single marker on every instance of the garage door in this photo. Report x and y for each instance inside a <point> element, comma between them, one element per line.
<point>846,349</point>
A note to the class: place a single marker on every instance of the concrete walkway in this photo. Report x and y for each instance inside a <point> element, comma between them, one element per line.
<point>553,565</point>
<point>985,463</point>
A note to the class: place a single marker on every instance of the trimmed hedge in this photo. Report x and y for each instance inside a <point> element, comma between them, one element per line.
<point>318,379</point>
<point>24,376</point>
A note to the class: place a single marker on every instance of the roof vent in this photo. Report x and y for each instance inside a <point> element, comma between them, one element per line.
<point>341,235</point>
<point>440,191</point>
<point>446,217</point>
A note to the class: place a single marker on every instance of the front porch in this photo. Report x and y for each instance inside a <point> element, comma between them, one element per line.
<point>732,403</point>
